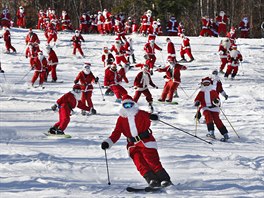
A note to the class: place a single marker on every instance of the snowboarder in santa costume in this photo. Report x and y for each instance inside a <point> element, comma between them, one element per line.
<point>233,58</point>
<point>223,52</point>
<point>119,50</point>
<point>172,79</point>
<point>21,17</point>
<point>134,124</point>
<point>66,104</point>
<point>141,83</point>
<point>76,42</point>
<point>186,48</point>
<point>52,63</point>
<point>86,78</point>
<point>7,39</point>
<point>209,100</point>
<point>112,80</point>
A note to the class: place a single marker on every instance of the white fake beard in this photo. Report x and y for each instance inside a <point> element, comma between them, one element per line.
<point>77,96</point>
<point>128,112</point>
<point>86,71</point>
<point>21,11</point>
<point>206,88</point>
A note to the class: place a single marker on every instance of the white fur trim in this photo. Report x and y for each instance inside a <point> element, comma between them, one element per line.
<point>110,142</point>
<point>151,145</point>
<point>132,125</point>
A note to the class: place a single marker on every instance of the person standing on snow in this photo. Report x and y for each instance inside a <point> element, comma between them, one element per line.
<point>77,39</point>
<point>32,37</point>
<point>134,124</point>
<point>52,63</point>
<point>141,83</point>
<point>171,49</point>
<point>66,104</point>
<point>172,79</point>
<point>40,66</point>
<point>223,51</point>
<point>7,39</point>
<point>21,17</point>
<point>233,58</point>
<point>209,101</point>
<point>186,48</point>
<point>86,79</point>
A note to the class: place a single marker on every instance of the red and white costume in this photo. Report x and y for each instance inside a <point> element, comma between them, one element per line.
<point>7,38</point>
<point>21,17</point>
<point>153,31</point>
<point>120,51</point>
<point>52,63</point>
<point>131,123</point>
<point>65,21</point>
<point>223,52</point>
<point>84,23</point>
<point>32,53</point>
<point>172,80</point>
<point>172,26</point>
<point>119,31</point>
<point>244,28</point>
<point>186,47</point>
<point>233,58</point>
<point>41,20</point>
<point>66,105</point>
<point>150,51</point>
<point>113,79</point>
<point>206,24</point>
<point>32,38</point>
<point>222,21</point>
<point>100,23</point>
<point>40,66</point>
<point>106,56</point>
<point>206,96</point>
<point>77,39</point>
<point>232,35</point>
<point>52,34</point>
<point>171,50</point>
<point>146,20</point>
<point>5,18</point>
<point>181,29</point>
<point>86,78</point>
<point>108,21</point>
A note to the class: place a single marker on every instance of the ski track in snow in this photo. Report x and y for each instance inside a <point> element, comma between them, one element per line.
<point>34,166</point>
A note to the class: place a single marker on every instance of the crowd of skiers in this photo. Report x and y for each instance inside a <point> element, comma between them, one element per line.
<point>117,60</point>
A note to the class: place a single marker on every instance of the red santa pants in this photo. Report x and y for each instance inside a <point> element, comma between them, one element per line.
<point>100,28</point>
<point>77,46</point>
<point>207,32</point>
<point>64,118</point>
<point>223,63</point>
<point>21,22</point>
<point>168,90</point>
<point>145,159</point>
<point>213,117</point>
<point>118,90</point>
<point>40,74</point>
<point>231,70</point>
<point>9,46</point>
<point>120,59</point>
<point>108,27</point>
<point>54,37</point>
<point>87,96</point>
<point>244,34</point>
<point>53,72</point>
<point>145,29</point>
<point>152,61</point>
<point>222,29</point>
<point>84,28</point>
<point>146,92</point>
<point>5,22</point>
<point>186,51</point>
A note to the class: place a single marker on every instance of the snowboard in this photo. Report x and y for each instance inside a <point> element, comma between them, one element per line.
<point>55,136</point>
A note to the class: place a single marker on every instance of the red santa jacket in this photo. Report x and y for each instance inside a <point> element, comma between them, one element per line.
<point>112,77</point>
<point>85,80</point>
<point>142,81</point>
<point>185,43</point>
<point>32,38</point>
<point>221,19</point>
<point>52,59</point>
<point>119,50</point>
<point>174,73</point>
<point>65,19</point>
<point>223,51</point>
<point>206,97</point>
<point>20,15</point>
<point>107,56</point>
<point>147,20</point>
<point>7,36</point>
<point>171,49</point>
<point>206,23</point>
<point>244,27</point>
<point>32,52</point>
<point>151,50</point>
<point>40,65</point>
<point>100,19</point>
<point>131,126</point>
<point>77,40</point>
<point>68,101</point>
<point>172,26</point>
<point>234,57</point>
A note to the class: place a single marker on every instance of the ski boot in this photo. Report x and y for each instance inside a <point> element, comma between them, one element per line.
<point>93,111</point>
<point>176,94</point>
<point>59,132</point>
<point>164,177</point>
<point>210,134</point>
<point>151,108</point>
<point>52,130</point>
<point>152,179</point>
<point>83,112</point>
<point>225,138</point>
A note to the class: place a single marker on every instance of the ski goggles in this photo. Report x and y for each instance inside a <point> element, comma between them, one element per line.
<point>128,105</point>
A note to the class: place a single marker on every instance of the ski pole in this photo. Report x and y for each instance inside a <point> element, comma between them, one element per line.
<point>196,120</point>
<point>108,177</point>
<point>101,91</point>
<point>23,77</point>
<point>185,132</point>
<point>229,121</point>
<point>184,91</point>
<point>194,92</point>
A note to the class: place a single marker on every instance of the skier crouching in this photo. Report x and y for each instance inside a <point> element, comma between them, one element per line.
<point>134,124</point>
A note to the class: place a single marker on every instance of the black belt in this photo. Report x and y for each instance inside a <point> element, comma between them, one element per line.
<point>139,137</point>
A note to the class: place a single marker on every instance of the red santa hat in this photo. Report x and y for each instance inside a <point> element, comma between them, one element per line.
<point>86,65</point>
<point>206,81</point>
<point>234,46</point>
<point>76,88</point>
<point>127,99</point>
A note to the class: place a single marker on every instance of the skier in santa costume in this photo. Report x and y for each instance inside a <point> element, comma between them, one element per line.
<point>186,48</point>
<point>86,78</point>
<point>222,21</point>
<point>112,80</point>
<point>52,63</point>
<point>223,52</point>
<point>32,37</point>
<point>210,104</point>
<point>7,39</point>
<point>171,50</point>
<point>66,104</point>
<point>40,66</point>
<point>119,50</point>
<point>21,17</point>
<point>233,58</point>
<point>141,83</point>
<point>172,79</point>
<point>106,56</point>
<point>134,124</point>
<point>76,42</point>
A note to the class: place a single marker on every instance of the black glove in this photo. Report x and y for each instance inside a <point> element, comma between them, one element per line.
<point>104,145</point>
<point>54,107</point>
<point>198,115</point>
<point>96,80</point>
<point>156,87</point>
<point>197,103</point>
<point>226,97</point>
<point>75,82</point>
<point>216,102</point>
<point>153,117</point>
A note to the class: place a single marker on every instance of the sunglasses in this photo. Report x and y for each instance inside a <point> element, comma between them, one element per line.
<point>128,105</point>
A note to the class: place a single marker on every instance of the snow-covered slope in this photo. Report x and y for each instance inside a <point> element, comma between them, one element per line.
<point>33,166</point>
